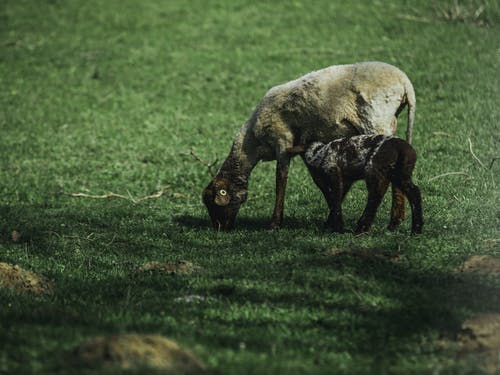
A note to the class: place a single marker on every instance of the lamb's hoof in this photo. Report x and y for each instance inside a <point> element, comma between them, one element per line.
<point>273,226</point>
<point>392,227</point>
<point>394,224</point>
<point>336,230</point>
<point>416,230</point>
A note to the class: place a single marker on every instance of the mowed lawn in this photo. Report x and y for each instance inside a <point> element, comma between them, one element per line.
<point>110,96</point>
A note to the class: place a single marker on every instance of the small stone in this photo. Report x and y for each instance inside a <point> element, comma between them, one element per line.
<point>15,236</point>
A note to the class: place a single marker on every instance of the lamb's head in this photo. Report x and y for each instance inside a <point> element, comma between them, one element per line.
<point>223,200</point>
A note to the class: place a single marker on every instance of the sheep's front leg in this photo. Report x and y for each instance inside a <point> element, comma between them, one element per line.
<point>282,165</point>
<point>377,186</point>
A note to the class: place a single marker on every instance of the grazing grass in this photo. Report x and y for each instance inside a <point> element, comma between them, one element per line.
<point>107,96</point>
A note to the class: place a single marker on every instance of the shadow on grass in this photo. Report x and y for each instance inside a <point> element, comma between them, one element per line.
<point>116,225</point>
<point>250,224</point>
<point>367,306</point>
<point>363,305</point>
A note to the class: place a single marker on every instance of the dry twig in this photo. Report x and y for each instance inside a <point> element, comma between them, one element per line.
<point>448,174</point>
<point>129,197</point>
<point>414,18</point>
<point>206,164</point>
<point>474,155</point>
<point>442,133</point>
<point>494,160</point>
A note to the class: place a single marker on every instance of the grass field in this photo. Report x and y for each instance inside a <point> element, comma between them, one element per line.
<point>108,96</point>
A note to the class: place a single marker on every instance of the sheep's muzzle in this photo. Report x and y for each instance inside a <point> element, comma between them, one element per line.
<point>222,205</point>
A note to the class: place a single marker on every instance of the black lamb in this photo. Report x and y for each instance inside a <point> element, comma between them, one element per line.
<point>377,159</point>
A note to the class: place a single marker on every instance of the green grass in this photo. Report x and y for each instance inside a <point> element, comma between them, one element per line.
<point>107,95</point>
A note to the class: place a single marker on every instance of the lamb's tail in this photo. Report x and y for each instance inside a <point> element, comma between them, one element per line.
<point>411,101</point>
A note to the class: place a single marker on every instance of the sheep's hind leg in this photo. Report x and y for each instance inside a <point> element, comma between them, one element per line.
<point>397,209</point>
<point>377,186</point>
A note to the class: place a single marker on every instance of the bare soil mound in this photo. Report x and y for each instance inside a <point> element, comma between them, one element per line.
<point>135,351</point>
<point>23,281</point>
<point>481,335</point>
<point>182,267</point>
<point>482,264</point>
<point>482,332</point>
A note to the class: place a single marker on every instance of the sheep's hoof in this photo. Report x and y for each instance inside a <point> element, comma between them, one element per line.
<point>334,229</point>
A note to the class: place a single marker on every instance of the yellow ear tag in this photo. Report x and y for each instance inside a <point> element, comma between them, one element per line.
<point>222,199</point>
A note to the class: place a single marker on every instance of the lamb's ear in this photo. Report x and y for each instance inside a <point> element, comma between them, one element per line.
<point>295,150</point>
<point>222,198</point>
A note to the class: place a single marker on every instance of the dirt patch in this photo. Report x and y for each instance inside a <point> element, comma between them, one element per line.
<point>23,281</point>
<point>182,267</point>
<point>134,351</point>
<point>481,264</point>
<point>480,336</point>
<point>362,253</point>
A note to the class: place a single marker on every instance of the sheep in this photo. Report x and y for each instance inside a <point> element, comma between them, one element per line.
<point>338,101</point>
<point>377,159</point>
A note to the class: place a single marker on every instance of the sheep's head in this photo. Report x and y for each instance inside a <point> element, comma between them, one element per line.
<point>223,201</point>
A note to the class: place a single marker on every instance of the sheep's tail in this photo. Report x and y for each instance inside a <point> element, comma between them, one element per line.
<point>411,101</point>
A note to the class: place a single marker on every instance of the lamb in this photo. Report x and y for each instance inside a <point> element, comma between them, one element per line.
<point>338,101</point>
<point>377,159</point>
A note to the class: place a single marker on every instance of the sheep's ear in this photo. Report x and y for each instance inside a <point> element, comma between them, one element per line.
<point>242,196</point>
<point>207,196</point>
<point>222,198</point>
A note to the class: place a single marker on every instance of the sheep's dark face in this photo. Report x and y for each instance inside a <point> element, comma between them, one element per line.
<point>223,203</point>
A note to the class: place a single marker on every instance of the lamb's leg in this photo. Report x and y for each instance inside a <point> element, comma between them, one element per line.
<point>282,164</point>
<point>398,208</point>
<point>331,191</point>
<point>346,186</point>
<point>398,198</point>
<point>377,186</point>
<point>335,221</point>
<point>414,197</point>
<point>320,181</point>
